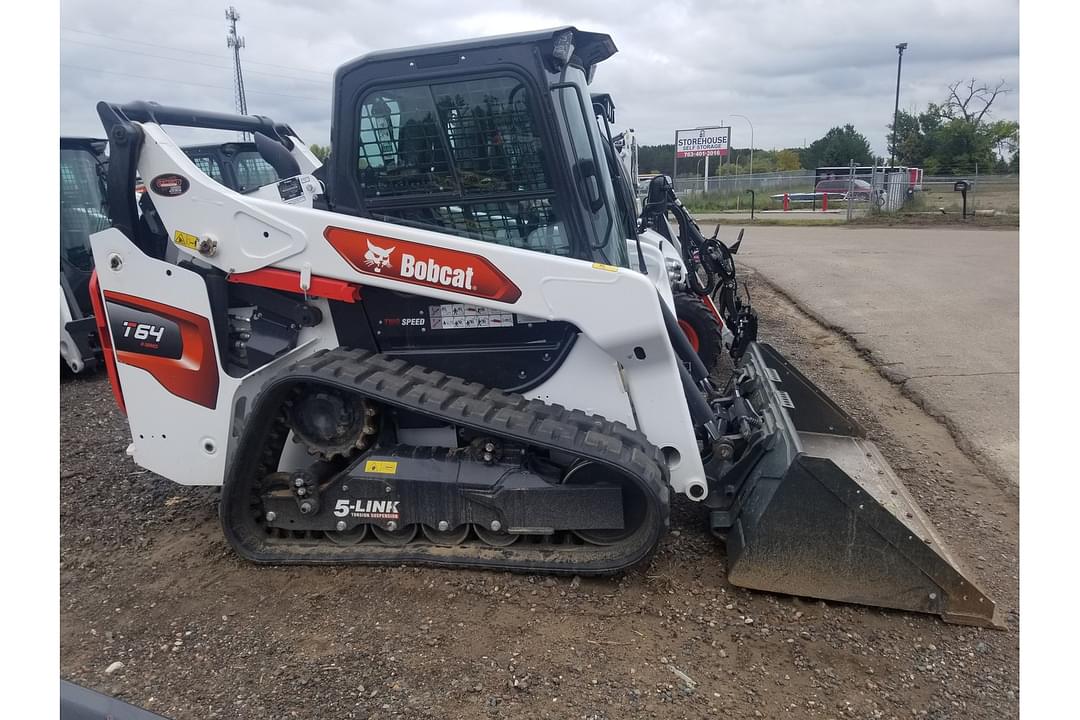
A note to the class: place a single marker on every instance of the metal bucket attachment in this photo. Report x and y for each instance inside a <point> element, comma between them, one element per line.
<point>823,515</point>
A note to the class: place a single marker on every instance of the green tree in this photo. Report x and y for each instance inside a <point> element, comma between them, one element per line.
<point>957,147</point>
<point>837,147</point>
<point>320,151</point>
<point>656,158</point>
<point>907,141</point>
<point>957,135</point>
<point>788,159</point>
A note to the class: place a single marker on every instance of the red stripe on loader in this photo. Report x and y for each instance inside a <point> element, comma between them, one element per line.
<point>106,342</point>
<point>289,281</point>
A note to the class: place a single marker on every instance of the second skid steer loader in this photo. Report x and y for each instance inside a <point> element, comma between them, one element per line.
<point>447,347</point>
<point>695,311</point>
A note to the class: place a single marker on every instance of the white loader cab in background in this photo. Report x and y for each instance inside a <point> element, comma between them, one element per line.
<point>82,213</point>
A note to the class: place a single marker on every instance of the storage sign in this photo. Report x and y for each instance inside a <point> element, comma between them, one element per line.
<point>703,142</point>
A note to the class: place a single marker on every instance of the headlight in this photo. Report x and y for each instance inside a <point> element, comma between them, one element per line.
<point>674,271</point>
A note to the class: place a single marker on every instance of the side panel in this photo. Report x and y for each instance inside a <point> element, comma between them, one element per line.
<point>593,380</point>
<point>178,438</point>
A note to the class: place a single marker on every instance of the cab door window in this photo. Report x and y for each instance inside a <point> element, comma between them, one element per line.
<point>463,157</point>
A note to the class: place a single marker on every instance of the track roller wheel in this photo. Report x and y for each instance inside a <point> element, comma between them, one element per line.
<point>395,538</point>
<point>495,538</point>
<point>446,538</point>
<point>348,537</point>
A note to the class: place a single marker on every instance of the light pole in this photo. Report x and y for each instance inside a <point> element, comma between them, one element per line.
<point>751,139</point>
<point>896,109</point>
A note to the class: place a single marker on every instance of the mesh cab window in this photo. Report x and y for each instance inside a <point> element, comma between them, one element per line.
<point>252,171</point>
<point>208,165</point>
<point>492,139</point>
<point>462,157</point>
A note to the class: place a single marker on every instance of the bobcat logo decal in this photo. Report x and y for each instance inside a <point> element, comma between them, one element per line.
<point>377,258</point>
<point>397,260</point>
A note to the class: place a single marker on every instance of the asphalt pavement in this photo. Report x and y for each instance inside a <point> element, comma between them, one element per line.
<point>938,310</point>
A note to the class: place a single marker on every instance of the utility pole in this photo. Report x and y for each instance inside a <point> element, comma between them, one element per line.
<point>236,42</point>
<point>751,140</point>
<point>896,109</point>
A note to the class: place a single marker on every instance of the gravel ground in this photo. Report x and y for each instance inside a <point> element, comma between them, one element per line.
<point>147,580</point>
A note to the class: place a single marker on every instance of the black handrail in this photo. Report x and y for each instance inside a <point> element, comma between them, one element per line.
<point>142,111</point>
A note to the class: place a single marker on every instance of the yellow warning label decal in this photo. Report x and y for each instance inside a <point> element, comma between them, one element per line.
<point>386,467</point>
<point>186,239</point>
<point>607,268</point>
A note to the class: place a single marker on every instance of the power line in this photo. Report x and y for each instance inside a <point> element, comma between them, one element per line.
<point>193,52</point>
<point>192,62</point>
<point>185,82</point>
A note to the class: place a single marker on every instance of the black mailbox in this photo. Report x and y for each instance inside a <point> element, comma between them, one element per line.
<point>961,186</point>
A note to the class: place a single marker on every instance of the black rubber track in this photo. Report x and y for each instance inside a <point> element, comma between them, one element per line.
<point>457,402</point>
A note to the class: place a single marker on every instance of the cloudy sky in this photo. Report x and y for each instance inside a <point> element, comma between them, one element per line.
<point>795,68</point>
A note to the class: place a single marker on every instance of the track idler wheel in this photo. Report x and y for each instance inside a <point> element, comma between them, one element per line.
<point>634,505</point>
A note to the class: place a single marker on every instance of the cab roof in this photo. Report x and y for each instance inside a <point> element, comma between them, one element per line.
<point>589,48</point>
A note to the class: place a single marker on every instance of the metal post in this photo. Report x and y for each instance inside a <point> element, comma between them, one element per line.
<point>751,140</point>
<point>850,188</point>
<point>737,198</point>
<point>896,109</point>
<point>706,184</point>
<point>873,185</point>
<point>974,189</point>
<point>675,168</point>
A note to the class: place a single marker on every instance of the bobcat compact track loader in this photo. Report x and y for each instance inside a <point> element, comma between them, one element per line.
<point>447,347</point>
<point>82,212</point>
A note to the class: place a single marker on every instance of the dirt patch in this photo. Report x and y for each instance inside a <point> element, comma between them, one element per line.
<point>147,578</point>
<point>953,220</point>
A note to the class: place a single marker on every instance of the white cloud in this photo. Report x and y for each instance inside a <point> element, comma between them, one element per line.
<point>796,68</point>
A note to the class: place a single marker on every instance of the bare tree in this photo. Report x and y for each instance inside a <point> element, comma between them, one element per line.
<point>971,102</point>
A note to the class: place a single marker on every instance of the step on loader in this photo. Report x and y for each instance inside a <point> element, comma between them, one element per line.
<point>446,346</point>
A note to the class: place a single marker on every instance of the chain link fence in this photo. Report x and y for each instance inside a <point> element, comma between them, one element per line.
<point>868,192</point>
<point>987,195</point>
